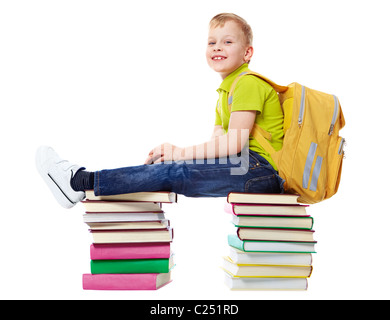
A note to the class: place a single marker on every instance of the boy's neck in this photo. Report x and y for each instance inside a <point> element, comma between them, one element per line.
<point>224,76</point>
<point>241,67</point>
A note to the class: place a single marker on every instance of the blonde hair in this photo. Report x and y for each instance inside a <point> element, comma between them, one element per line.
<point>220,19</point>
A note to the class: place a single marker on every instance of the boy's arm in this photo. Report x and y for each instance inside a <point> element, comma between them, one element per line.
<point>240,125</point>
<point>231,143</point>
<point>218,131</point>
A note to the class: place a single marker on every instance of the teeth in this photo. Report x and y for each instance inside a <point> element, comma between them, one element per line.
<point>218,58</point>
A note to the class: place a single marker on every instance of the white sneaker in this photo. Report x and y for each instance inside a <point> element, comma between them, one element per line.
<point>57,174</point>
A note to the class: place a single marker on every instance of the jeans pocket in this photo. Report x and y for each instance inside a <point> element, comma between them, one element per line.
<point>263,184</point>
<point>254,163</point>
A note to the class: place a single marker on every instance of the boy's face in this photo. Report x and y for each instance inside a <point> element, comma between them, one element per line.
<point>226,50</point>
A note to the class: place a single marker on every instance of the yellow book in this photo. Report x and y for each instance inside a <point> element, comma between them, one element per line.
<point>271,271</point>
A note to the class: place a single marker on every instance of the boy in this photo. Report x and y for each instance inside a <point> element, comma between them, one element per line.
<point>210,169</point>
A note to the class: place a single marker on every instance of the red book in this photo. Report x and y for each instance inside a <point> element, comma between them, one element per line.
<point>121,251</point>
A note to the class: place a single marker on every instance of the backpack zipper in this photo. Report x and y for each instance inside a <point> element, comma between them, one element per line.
<point>302,107</point>
<point>335,112</point>
<point>341,147</point>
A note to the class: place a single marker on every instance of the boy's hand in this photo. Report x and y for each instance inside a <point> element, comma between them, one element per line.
<point>164,152</point>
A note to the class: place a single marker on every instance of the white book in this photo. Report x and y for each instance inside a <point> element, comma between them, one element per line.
<point>121,206</point>
<point>238,283</point>
<point>123,216</point>
<point>132,236</point>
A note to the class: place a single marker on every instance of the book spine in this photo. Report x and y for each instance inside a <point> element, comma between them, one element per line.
<point>130,251</point>
<point>130,266</point>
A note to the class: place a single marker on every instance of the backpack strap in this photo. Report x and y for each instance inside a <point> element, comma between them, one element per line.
<point>257,133</point>
<point>262,136</point>
<point>277,88</point>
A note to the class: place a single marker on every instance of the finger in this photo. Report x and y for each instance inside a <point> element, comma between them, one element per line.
<point>155,158</point>
<point>148,160</point>
<point>153,154</point>
<point>159,160</point>
<point>151,159</point>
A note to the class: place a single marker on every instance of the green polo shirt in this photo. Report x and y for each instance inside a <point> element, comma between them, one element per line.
<point>252,93</point>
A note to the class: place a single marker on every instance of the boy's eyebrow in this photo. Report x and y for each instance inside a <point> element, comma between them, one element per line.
<point>225,36</point>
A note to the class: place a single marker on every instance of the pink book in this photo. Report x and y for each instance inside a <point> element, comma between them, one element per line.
<point>140,250</point>
<point>128,281</point>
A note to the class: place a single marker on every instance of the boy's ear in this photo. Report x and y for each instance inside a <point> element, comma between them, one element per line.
<point>248,54</point>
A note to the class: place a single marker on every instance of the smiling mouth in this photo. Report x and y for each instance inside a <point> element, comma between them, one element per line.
<point>218,58</point>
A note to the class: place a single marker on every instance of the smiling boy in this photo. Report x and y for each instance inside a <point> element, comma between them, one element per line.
<point>229,52</point>
<point>171,168</point>
<point>229,44</point>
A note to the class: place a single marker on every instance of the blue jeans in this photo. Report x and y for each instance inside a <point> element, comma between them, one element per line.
<point>197,178</point>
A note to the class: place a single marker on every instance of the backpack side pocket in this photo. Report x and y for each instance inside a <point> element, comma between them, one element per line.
<point>335,167</point>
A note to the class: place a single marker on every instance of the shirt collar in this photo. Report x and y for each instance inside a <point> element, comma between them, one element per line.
<point>228,81</point>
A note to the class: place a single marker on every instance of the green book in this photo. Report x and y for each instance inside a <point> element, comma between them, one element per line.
<point>131,266</point>
<point>270,246</point>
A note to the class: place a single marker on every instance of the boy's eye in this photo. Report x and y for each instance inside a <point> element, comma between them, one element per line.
<point>211,43</point>
<point>228,42</point>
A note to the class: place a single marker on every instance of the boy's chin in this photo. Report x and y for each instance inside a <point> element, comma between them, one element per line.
<point>222,70</point>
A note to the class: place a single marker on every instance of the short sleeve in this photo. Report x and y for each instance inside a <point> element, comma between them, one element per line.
<point>218,121</point>
<point>250,93</point>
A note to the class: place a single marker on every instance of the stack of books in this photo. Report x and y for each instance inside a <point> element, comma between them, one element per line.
<point>131,247</point>
<point>273,242</point>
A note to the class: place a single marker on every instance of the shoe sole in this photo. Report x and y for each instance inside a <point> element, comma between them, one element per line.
<point>57,191</point>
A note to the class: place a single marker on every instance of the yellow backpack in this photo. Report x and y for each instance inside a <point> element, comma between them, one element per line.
<point>310,160</point>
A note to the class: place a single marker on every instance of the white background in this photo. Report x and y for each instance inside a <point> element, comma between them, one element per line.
<point>103,82</point>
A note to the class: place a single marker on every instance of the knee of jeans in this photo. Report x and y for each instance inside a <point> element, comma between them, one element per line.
<point>263,184</point>
<point>177,175</point>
